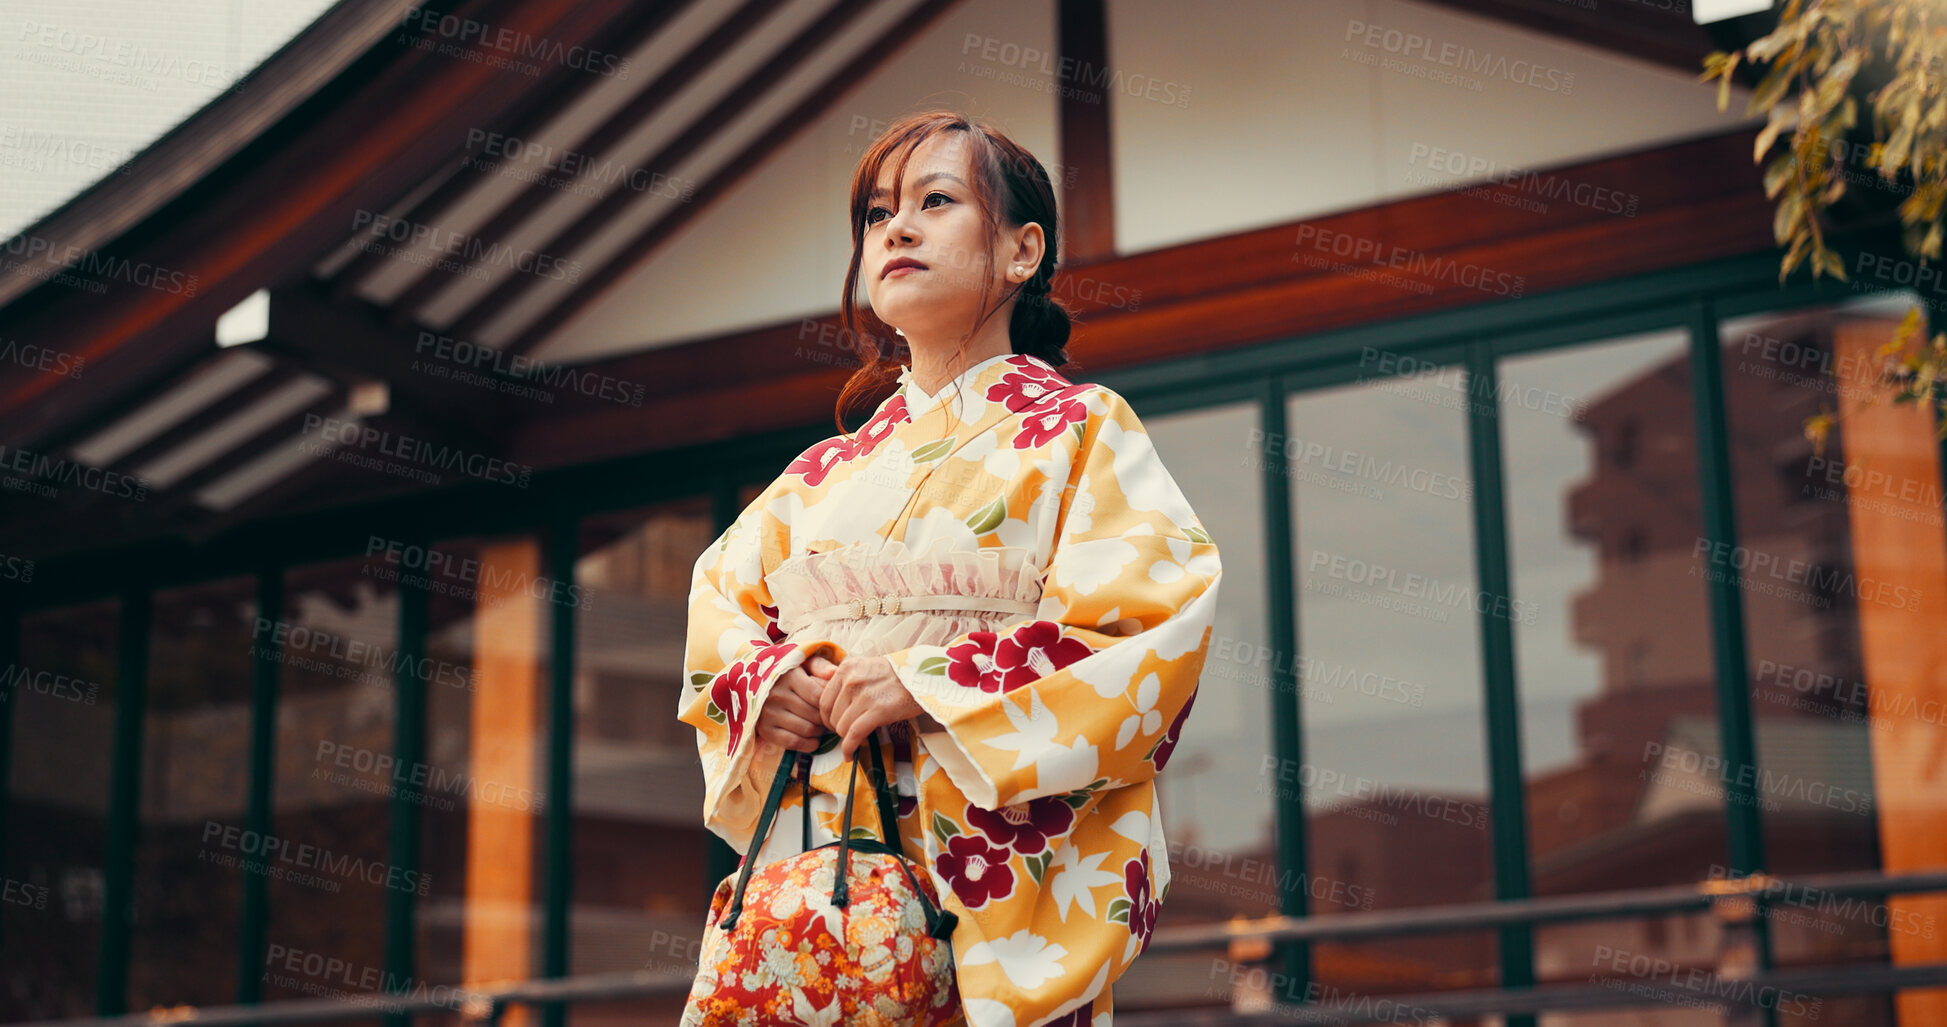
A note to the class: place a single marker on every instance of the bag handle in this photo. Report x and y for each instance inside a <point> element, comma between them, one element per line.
<point>940,923</point>
<point>764,818</point>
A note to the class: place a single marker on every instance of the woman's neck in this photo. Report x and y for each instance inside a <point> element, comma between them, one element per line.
<point>932,375</point>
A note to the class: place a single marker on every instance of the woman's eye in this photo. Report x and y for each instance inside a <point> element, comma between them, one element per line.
<point>872,216</point>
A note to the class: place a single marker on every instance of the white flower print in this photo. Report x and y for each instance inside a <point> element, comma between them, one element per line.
<point>1088,565</point>
<point>1028,959</point>
<point>1075,878</point>
<point>1147,716</point>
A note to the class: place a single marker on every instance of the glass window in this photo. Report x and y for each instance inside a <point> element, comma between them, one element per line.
<point>195,774</point>
<point>1615,669</point>
<point>328,857</point>
<point>1840,560</point>
<point>63,691</point>
<point>481,787</point>
<point>1218,821</point>
<point>1388,669</point>
<point>642,855</point>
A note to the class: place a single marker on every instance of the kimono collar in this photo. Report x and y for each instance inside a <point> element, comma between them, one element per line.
<point>971,384</point>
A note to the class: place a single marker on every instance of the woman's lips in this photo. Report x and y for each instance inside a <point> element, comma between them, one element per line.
<point>902,270</point>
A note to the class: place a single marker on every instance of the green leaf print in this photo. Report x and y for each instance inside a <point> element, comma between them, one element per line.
<point>934,450</point>
<point>1081,432</point>
<point>933,665</point>
<point>860,832</point>
<point>1197,534</point>
<point>1038,865</point>
<point>989,517</point>
<point>944,828</point>
<point>701,678</point>
<point>710,710</point>
<point>1075,800</point>
<point>1119,911</point>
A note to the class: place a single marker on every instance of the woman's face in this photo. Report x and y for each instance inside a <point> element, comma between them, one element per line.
<point>938,225</point>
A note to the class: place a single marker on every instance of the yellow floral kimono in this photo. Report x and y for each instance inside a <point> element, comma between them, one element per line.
<point>1015,547</point>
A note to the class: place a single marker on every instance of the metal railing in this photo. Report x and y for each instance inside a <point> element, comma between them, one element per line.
<point>1737,985</point>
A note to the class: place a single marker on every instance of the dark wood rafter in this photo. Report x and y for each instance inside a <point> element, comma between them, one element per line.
<point>599,142</point>
<point>351,340</point>
<point>269,212</point>
<point>182,495</point>
<point>1693,201</point>
<point>695,136</point>
<point>632,254</point>
<point>1088,201</point>
<point>184,375</point>
<point>1659,31</point>
<point>215,413</point>
<point>564,87</point>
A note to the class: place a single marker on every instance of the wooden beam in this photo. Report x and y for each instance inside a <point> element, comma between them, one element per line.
<point>695,136</point>
<point>565,86</point>
<point>1685,202</point>
<point>604,138</point>
<point>389,121</point>
<point>352,338</point>
<point>1659,31</point>
<point>1088,202</point>
<point>785,128</point>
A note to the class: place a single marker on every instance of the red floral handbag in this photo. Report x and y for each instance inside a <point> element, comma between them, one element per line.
<point>776,951</point>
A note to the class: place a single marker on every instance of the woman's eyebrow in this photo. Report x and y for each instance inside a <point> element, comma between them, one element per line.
<point>920,181</point>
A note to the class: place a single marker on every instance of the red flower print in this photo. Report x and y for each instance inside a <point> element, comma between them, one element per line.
<point>1032,385</point>
<point>1142,911</point>
<point>971,663</point>
<point>977,871</point>
<point>880,427</point>
<point>819,460</point>
<point>1048,422</point>
<point>738,683</point>
<point>1164,748</point>
<point>1032,652</point>
<point>1024,827</point>
<point>770,623</point>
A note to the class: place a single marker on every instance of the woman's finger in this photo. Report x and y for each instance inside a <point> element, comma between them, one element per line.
<point>785,739</point>
<point>789,721</point>
<point>800,692</point>
<point>786,700</point>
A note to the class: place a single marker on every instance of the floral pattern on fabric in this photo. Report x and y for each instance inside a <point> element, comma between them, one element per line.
<point>1027,791</point>
<point>795,958</point>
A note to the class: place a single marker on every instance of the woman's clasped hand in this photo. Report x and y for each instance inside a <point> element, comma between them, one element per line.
<point>851,699</point>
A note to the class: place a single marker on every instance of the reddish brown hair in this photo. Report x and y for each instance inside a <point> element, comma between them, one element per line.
<point>1011,188</point>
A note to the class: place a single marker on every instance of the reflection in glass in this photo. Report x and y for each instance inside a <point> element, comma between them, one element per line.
<point>642,875</point>
<point>1845,548</point>
<point>195,771</point>
<point>63,691</point>
<point>481,787</point>
<point>331,808</point>
<point>1388,669</point>
<point>1616,674</point>
<point>1219,825</point>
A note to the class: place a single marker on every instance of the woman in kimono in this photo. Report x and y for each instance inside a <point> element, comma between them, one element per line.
<point>994,581</point>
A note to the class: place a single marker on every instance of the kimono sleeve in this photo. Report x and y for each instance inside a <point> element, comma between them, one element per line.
<point>1092,692</point>
<point>733,654</point>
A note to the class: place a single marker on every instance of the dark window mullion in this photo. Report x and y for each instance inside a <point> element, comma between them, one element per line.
<point>1287,734</point>
<point>124,802</point>
<point>1741,815</point>
<point>266,655</point>
<point>409,750</point>
<point>564,542</point>
<point>1501,706</point>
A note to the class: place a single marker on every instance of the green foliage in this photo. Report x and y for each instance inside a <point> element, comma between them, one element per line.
<point>1813,56</point>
